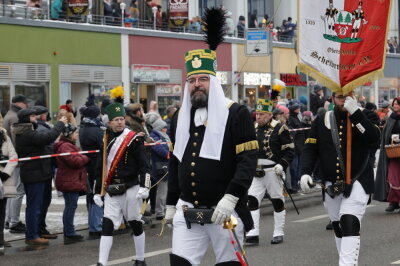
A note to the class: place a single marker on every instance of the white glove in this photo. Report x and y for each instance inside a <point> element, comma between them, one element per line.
<point>278,170</point>
<point>97,200</point>
<point>224,209</point>
<point>143,193</point>
<point>170,213</point>
<point>351,104</point>
<point>305,181</point>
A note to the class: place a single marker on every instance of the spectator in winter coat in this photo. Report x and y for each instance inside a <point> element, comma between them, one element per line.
<point>317,99</point>
<point>298,138</point>
<point>7,151</point>
<point>159,162</point>
<point>241,27</point>
<point>91,138</point>
<point>34,173</point>
<point>70,180</point>
<point>43,126</point>
<point>14,204</point>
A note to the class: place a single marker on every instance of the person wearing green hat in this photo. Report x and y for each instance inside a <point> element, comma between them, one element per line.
<point>276,151</point>
<point>126,184</point>
<point>213,161</point>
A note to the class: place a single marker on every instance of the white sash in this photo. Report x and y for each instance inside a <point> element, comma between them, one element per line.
<point>115,147</point>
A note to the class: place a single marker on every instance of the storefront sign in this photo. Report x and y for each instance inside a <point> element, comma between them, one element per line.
<point>178,13</point>
<point>293,80</point>
<point>169,90</point>
<point>150,74</point>
<point>78,7</point>
<point>256,79</point>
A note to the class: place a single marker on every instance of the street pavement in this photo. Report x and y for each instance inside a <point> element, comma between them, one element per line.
<point>306,241</point>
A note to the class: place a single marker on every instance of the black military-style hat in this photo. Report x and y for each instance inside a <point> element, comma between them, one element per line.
<point>23,115</point>
<point>40,109</point>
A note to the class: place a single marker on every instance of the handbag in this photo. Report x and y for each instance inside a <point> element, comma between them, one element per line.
<point>197,215</point>
<point>392,150</point>
<point>116,189</point>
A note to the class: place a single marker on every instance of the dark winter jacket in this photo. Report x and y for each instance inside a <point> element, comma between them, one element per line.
<point>316,102</point>
<point>30,142</point>
<point>71,173</point>
<point>159,156</point>
<point>91,138</point>
<point>298,136</point>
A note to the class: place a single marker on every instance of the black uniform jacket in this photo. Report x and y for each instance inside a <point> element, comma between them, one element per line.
<point>132,167</point>
<point>319,144</point>
<point>203,182</point>
<point>275,143</point>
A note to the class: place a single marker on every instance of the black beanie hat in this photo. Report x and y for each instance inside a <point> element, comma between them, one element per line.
<point>92,111</point>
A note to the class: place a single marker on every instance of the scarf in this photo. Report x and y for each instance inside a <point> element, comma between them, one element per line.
<point>218,108</point>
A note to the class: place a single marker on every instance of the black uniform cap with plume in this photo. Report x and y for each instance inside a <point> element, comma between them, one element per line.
<point>203,61</point>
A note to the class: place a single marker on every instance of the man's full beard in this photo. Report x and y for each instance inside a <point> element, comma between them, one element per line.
<point>199,100</point>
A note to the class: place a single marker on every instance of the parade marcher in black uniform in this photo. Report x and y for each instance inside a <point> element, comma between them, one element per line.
<point>127,184</point>
<point>344,203</point>
<point>213,162</point>
<point>276,151</point>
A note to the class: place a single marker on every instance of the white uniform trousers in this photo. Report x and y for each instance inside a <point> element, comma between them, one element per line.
<point>192,244</point>
<point>125,205</point>
<point>273,185</point>
<point>348,247</point>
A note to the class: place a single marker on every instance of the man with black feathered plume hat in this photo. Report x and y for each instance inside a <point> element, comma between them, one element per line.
<point>213,161</point>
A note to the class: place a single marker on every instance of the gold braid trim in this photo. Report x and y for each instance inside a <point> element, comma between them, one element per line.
<point>247,146</point>
<point>283,128</point>
<point>287,146</point>
<point>311,140</point>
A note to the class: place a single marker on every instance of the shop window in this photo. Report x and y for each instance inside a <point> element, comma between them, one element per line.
<point>33,91</point>
<point>251,94</point>
<point>4,99</point>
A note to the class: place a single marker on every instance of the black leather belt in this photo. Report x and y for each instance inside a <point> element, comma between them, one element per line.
<point>265,166</point>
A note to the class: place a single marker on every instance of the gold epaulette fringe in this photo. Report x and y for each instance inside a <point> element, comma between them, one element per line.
<point>247,146</point>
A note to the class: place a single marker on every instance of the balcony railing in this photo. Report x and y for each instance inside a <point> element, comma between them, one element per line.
<point>20,11</point>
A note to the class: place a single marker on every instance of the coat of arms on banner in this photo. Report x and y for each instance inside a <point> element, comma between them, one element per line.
<point>344,26</point>
<point>341,43</point>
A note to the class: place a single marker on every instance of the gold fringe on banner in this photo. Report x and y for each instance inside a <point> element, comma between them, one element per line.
<point>335,87</point>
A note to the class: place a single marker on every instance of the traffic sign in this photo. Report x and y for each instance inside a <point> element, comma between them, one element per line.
<point>257,43</point>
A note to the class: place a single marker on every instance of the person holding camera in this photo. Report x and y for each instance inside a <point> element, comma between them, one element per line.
<point>276,151</point>
<point>126,184</point>
<point>327,141</point>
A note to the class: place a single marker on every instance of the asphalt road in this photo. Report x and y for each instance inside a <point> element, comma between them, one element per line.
<point>306,242</point>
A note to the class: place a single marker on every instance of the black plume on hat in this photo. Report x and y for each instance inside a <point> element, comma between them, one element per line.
<point>214,27</point>
<point>23,115</point>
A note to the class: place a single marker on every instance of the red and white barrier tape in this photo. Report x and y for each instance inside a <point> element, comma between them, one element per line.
<point>48,156</point>
<point>66,154</point>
